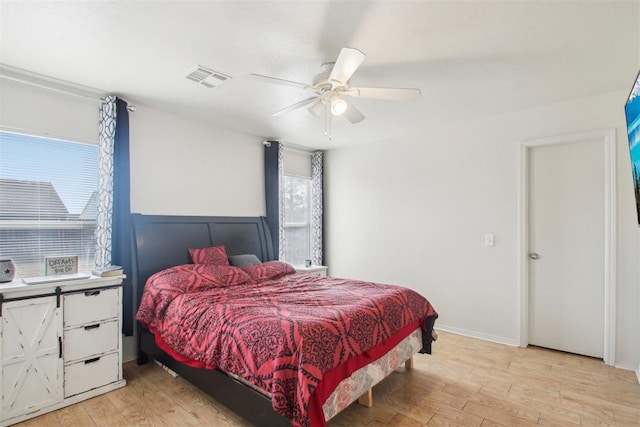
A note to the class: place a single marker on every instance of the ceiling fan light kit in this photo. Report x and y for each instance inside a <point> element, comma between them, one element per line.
<point>331,87</point>
<point>338,106</point>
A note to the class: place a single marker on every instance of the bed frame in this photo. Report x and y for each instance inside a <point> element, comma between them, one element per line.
<point>163,241</point>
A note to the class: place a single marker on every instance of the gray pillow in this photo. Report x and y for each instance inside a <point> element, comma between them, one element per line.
<point>244,260</point>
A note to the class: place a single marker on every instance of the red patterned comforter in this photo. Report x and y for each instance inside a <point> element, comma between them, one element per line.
<point>278,330</point>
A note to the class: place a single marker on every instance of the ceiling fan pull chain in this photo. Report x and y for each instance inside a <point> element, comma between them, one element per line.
<point>326,130</point>
<point>327,120</point>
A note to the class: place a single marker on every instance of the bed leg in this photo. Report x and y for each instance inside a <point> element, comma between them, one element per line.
<point>142,358</point>
<point>366,399</point>
<point>409,363</point>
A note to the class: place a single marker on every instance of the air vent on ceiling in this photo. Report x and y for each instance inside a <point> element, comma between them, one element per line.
<point>206,77</point>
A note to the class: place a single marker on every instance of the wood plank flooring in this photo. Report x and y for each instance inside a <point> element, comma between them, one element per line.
<point>466,382</point>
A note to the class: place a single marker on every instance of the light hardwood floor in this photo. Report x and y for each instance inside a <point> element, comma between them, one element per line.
<point>465,382</point>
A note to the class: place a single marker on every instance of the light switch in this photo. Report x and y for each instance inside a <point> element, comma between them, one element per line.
<point>489,239</point>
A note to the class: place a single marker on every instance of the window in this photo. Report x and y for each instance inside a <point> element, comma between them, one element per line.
<point>297,219</point>
<point>48,201</point>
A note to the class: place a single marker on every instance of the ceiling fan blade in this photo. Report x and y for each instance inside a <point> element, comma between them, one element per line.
<point>277,81</point>
<point>296,106</point>
<point>396,94</point>
<point>352,113</point>
<point>317,109</point>
<point>347,63</point>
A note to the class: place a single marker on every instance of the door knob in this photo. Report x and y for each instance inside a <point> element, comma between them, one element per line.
<point>534,255</point>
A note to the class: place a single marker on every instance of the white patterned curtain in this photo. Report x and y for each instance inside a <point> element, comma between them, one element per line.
<point>316,208</point>
<point>107,131</point>
<point>281,235</point>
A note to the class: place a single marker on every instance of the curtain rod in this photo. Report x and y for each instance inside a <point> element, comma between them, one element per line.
<point>291,147</point>
<point>130,107</point>
<point>48,83</point>
<point>53,84</point>
<point>299,149</point>
<point>59,86</point>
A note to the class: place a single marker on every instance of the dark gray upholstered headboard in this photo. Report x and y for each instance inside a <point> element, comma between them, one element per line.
<point>163,241</point>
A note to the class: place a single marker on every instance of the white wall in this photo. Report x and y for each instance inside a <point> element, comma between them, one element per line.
<point>181,166</point>
<point>415,210</point>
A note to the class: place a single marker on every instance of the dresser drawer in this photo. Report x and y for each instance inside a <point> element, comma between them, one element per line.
<point>91,373</point>
<point>91,340</point>
<point>91,306</point>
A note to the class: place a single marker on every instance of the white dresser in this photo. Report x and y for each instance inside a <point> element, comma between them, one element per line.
<point>60,343</point>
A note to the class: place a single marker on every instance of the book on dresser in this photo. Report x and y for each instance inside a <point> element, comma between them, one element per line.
<point>108,271</point>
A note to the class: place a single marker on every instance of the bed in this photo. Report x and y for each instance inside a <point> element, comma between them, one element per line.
<point>305,384</point>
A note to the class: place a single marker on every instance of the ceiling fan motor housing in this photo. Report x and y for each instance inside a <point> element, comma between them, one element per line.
<point>321,80</point>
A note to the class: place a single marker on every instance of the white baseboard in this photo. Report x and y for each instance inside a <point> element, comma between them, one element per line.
<point>473,334</point>
<point>631,368</point>
<point>624,367</point>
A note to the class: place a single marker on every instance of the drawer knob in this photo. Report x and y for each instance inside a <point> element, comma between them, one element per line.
<point>91,293</point>
<point>95,359</point>
<point>96,326</point>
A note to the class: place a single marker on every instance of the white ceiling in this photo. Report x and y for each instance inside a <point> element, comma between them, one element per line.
<point>469,58</point>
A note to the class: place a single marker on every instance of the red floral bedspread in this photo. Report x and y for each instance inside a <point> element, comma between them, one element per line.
<point>281,333</point>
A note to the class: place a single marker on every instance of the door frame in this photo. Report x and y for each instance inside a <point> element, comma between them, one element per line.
<point>608,138</point>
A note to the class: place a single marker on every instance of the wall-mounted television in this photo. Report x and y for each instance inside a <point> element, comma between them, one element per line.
<point>632,113</point>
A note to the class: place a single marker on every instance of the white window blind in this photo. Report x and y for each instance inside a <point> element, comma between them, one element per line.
<point>43,111</point>
<point>297,163</point>
<point>48,201</point>
<point>297,205</point>
<point>297,219</point>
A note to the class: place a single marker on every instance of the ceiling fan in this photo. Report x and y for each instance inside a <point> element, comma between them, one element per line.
<point>332,90</point>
